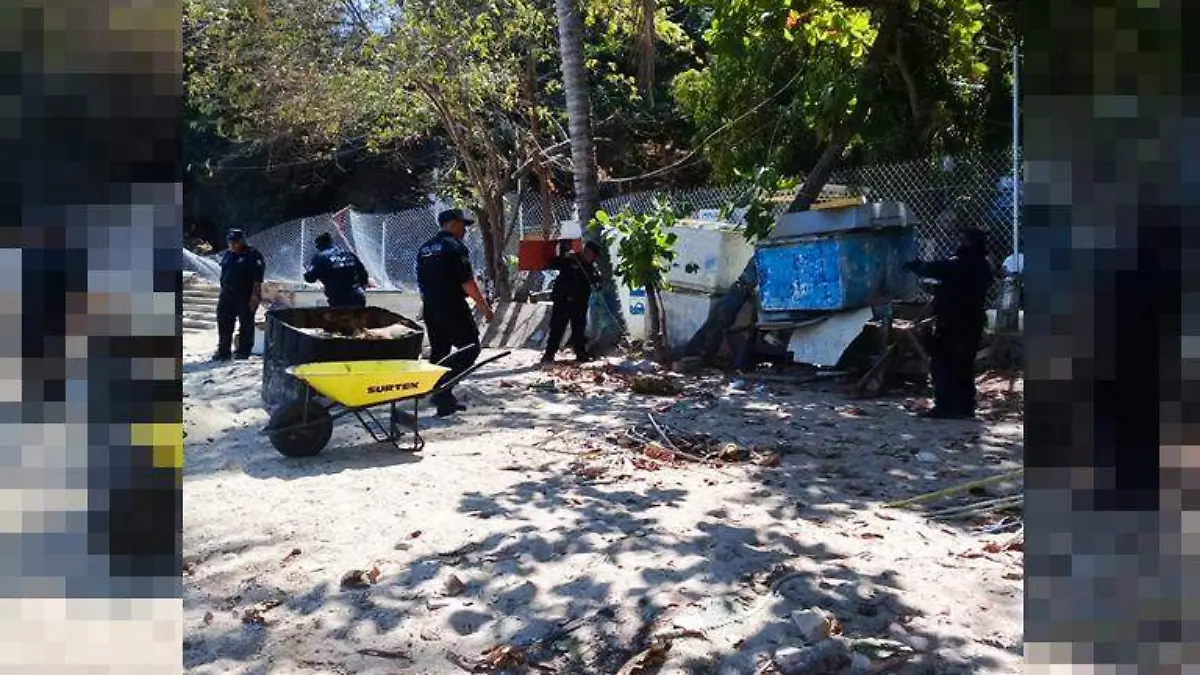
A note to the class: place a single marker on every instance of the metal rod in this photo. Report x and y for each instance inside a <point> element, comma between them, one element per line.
<point>300,248</point>
<point>1016,150</point>
<point>383,254</point>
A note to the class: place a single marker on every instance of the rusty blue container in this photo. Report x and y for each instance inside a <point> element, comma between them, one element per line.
<point>837,270</point>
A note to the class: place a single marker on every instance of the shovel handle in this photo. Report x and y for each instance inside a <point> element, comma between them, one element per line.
<point>457,378</point>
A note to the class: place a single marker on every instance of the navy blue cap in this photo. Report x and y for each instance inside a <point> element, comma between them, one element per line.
<point>450,215</point>
<point>235,234</point>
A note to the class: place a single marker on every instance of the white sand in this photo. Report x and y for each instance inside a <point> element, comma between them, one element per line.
<point>626,553</point>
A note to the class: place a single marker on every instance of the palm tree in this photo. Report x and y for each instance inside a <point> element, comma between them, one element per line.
<point>583,160</point>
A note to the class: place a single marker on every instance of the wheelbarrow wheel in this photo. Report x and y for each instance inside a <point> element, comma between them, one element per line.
<point>297,432</point>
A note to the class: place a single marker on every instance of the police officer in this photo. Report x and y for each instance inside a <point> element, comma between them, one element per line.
<point>340,271</point>
<point>446,280</point>
<point>959,302</point>
<point>577,278</point>
<point>242,269</point>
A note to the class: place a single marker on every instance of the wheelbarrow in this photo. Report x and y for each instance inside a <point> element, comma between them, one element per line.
<point>337,389</point>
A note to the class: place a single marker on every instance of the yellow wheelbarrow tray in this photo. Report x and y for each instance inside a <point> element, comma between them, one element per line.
<point>336,389</point>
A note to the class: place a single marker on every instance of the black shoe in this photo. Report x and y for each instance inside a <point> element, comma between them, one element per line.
<point>547,360</point>
<point>221,357</point>
<point>241,357</point>
<point>448,410</point>
<point>583,358</point>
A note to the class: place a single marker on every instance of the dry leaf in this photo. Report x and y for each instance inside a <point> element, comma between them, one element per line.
<point>644,464</point>
<point>769,460</point>
<point>373,575</point>
<point>656,451</point>
<point>208,618</point>
<point>414,534</point>
<point>502,657</point>
<point>291,556</point>
<point>641,664</point>
<point>354,579</point>
<point>253,616</point>
<point>870,535</point>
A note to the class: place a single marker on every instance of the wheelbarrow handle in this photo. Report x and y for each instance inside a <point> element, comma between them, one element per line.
<point>473,346</point>
<point>457,378</point>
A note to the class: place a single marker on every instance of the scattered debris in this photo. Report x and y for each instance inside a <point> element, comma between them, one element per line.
<point>653,657</point>
<point>979,508</point>
<point>963,487</point>
<point>291,556</point>
<point>256,615</point>
<point>826,657</point>
<point>385,654</point>
<point>355,579</point>
<point>454,586</point>
<point>654,385</point>
<point>816,624</point>
<point>502,657</point>
<point>655,450</point>
<point>208,618</point>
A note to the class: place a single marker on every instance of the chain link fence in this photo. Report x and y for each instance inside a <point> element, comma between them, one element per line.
<point>944,194</point>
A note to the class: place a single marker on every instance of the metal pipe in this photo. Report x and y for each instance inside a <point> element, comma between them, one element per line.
<point>1016,150</point>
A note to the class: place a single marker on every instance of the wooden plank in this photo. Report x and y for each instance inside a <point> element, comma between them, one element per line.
<point>838,204</point>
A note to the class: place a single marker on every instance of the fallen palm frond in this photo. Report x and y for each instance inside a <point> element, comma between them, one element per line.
<point>946,492</point>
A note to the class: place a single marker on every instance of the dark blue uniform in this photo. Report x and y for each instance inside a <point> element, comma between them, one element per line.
<point>443,266</point>
<point>342,274</point>
<point>572,290</point>
<point>959,319</point>
<point>240,272</point>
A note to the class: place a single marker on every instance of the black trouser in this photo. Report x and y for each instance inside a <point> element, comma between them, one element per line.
<point>449,329</point>
<point>355,297</point>
<point>952,367</point>
<point>229,311</point>
<point>564,312</point>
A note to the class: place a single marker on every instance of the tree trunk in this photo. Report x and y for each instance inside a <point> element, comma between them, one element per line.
<point>707,341</point>
<point>610,322</point>
<point>646,52</point>
<point>579,110</point>
<point>492,231</point>
<point>656,320</point>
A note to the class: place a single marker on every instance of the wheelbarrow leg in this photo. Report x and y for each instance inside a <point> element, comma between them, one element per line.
<point>394,428</point>
<point>418,441</point>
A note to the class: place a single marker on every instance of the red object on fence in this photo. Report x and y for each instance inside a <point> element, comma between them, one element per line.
<point>534,253</point>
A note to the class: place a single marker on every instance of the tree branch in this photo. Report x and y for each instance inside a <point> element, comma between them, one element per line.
<point>865,92</point>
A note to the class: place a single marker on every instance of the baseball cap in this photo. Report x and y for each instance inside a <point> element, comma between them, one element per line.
<point>235,234</point>
<point>455,214</point>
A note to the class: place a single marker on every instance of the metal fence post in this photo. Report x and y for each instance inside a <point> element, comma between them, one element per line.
<point>303,238</point>
<point>1016,150</point>
<point>383,252</point>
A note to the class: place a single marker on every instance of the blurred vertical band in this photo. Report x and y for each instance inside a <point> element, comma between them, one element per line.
<point>90,393</point>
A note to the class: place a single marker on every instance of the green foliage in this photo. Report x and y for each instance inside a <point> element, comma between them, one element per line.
<point>645,246</point>
<point>755,48</point>
<point>755,202</point>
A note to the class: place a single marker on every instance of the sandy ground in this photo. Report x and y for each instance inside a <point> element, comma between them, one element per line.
<point>565,548</point>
